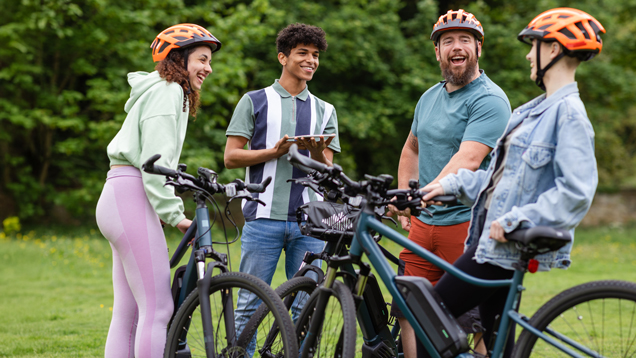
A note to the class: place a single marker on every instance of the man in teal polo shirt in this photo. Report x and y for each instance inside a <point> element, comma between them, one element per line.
<point>265,120</point>
<point>456,124</point>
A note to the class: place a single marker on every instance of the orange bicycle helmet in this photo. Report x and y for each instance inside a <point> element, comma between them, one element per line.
<point>577,31</point>
<point>182,36</point>
<point>458,20</point>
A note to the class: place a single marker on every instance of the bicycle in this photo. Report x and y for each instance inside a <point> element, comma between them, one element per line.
<point>203,324</point>
<point>551,331</point>
<point>335,224</point>
<point>380,332</point>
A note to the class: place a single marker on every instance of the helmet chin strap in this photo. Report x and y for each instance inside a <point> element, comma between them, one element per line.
<point>186,56</point>
<point>541,71</point>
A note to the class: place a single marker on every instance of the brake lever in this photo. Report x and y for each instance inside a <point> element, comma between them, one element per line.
<point>417,211</point>
<point>244,194</point>
<point>182,185</point>
<point>257,200</point>
<point>307,182</point>
<point>384,217</point>
<point>301,181</point>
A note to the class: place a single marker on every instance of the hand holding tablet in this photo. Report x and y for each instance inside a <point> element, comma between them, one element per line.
<point>315,136</point>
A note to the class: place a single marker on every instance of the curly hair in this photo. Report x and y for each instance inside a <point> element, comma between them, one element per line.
<point>172,69</point>
<point>304,34</point>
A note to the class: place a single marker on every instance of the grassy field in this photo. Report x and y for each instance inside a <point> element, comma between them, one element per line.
<point>56,294</point>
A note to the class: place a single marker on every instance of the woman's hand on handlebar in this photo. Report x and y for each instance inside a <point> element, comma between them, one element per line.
<point>433,189</point>
<point>183,225</point>
<point>497,232</point>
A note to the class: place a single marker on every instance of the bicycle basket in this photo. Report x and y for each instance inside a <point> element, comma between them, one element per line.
<point>327,221</point>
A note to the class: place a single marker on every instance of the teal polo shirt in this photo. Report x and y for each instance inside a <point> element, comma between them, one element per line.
<point>477,112</point>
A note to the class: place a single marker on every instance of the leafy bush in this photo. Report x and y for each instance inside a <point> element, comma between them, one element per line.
<point>63,68</point>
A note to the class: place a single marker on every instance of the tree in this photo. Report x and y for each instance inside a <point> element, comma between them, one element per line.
<point>64,63</point>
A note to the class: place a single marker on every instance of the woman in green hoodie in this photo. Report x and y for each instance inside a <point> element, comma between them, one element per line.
<point>134,204</point>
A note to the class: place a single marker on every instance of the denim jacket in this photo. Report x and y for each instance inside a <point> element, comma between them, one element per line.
<point>549,178</point>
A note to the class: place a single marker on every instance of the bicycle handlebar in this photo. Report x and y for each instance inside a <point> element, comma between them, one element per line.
<point>444,199</point>
<point>149,167</point>
<point>333,178</point>
<point>205,182</point>
<point>294,157</point>
<point>258,188</point>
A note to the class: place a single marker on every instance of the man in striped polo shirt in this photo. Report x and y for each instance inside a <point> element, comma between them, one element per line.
<point>265,120</point>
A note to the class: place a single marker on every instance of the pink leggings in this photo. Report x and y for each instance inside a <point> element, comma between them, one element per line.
<point>141,271</point>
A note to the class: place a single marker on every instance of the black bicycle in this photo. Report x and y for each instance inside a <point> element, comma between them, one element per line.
<point>354,293</point>
<point>204,322</point>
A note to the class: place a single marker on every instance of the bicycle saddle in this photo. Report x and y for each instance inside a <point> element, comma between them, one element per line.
<point>539,239</point>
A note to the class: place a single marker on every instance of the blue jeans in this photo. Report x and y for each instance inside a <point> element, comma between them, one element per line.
<point>261,245</point>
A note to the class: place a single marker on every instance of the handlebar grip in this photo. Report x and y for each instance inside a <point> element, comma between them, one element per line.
<point>150,167</point>
<point>294,157</point>
<point>258,188</point>
<point>446,199</point>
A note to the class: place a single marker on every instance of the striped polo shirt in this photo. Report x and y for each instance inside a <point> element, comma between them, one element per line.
<point>264,117</point>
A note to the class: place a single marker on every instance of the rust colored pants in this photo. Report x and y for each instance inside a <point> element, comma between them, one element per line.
<point>446,242</point>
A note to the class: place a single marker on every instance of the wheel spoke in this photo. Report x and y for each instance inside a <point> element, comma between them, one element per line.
<point>188,321</point>
<point>600,316</point>
<point>594,340</point>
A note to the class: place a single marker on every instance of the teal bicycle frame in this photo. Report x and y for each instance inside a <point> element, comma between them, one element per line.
<point>363,242</point>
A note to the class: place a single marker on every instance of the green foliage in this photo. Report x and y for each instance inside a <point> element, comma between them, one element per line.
<point>63,81</point>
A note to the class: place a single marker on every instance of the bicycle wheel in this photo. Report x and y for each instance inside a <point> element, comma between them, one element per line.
<point>294,294</point>
<point>600,316</point>
<point>336,335</point>
<point>185,335</point>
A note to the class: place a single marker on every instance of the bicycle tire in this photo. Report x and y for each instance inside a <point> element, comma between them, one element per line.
<point>337,337</point>
<point>596,314</point>
<point>294,293</point>
<point>187,321</point>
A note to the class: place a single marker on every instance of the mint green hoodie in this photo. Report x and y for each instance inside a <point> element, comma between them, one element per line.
<point>156,124</point>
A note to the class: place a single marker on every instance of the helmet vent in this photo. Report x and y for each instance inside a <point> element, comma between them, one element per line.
<point>583,30</point>
<point>168,32</point>
<point>594,27</point>
<point>568,33</point>
<point>564,16</point>
<point>547,17</point>
<point>453,16</point>
<point>163,46</point>
<point>182,38</point>
<point>545,26</point>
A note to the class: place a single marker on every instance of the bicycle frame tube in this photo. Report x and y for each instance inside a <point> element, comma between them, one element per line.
<point>515,316</point>
<point>364,242</point>
<point>202,220</point>
<point>203,223</point>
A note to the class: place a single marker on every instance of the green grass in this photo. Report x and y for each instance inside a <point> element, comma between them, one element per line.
<point>56,293</point>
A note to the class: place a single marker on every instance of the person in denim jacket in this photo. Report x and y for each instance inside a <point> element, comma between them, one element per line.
<point>542,171</point>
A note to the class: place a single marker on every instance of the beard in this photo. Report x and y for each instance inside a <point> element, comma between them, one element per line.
<point>459,77</point>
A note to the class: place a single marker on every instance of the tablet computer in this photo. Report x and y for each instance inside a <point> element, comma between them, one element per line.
<point>316,136</point>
